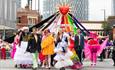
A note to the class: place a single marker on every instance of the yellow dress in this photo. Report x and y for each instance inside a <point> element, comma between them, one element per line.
<point>47,45</point>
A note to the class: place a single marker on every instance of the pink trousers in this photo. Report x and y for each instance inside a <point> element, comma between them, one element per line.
<point>93,50</point>
<point>93,57</point>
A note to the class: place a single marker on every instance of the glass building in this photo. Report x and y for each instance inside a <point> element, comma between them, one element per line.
<point>8,13</point>
<point>113,7</point>
<point>79,8</point>
<point>18,3</point>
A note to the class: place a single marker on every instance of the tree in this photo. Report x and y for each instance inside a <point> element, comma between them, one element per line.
<point>106,27</point>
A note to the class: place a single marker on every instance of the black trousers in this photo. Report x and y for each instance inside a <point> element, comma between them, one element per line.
<point>52,59</point>
<point>102,55</point>
<point>113,56</point>
<point>79,53</point>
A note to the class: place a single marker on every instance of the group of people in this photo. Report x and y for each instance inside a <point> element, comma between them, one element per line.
<point>4,48</point>
<point>64,49</point>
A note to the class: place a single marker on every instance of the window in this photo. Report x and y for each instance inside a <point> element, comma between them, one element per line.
<point>18,19</point>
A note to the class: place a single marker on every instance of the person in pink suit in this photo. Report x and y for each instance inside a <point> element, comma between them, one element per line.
<point>93,49</point>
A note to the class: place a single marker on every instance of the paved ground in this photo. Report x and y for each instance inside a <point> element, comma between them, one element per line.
<point>105,65</point>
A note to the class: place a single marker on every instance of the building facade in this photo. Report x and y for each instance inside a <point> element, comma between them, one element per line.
<point>113,8</point>
<point>8,13</point>
<point>27,17</point>
<point>79,8</point>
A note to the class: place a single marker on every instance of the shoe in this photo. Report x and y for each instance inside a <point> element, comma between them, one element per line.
<point>52,65</point>
<point>34,68</point>
<point>94,64</point>
<point>49,67</point>
<point>21,66</point>
<point>62,68</point>
<point>46,67</point>
<point>43,66</point>
<point>16,66</point>
<point>113,64</point>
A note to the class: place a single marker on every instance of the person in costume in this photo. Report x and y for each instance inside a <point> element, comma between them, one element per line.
<point>24,58</point>
<point>71,41</point>
<point>47,46</point>
<point>93,49</point>
<point>74,57</point>
<point>102,55</point>
<point>34,47</point>
<point>79,44</point>
<point>108,49</point>
<point>57,40</point>
<point>113,53</point>
<point>63,54</point>
<point>16,43</point>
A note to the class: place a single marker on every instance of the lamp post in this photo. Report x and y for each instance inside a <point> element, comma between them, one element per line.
<point>104,14</point>
<point>104,19</point>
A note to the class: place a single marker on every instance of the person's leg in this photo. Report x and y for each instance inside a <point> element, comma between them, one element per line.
<point>43,64</point>
<point>113,57</point>
<point>36,55</point>
<point>49,61</point>
<point>106,54</point>
<point>114,61</point>
<point>83,55</point>
<point>109,53</point>
<point>91,58</point>
<point>102,56</point>
<point>46,61</point>
<point>52,59</point>
<point>80,55</point>
<point>94,58</point>
<point>35,62</point>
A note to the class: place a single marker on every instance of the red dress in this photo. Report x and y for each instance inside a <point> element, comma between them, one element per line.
<point>41,57</point>
<point>3,53</point>
<point>71,46</point>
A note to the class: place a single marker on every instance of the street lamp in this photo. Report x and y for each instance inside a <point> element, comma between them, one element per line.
<point>104,13</point>
<point>104,18</point>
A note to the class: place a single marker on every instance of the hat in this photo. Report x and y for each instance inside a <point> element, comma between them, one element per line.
<point>24,28</point>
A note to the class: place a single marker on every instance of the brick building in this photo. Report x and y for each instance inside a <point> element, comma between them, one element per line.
<point>27,17</point>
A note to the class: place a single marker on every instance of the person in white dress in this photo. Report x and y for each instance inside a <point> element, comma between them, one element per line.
<point>62,54</point>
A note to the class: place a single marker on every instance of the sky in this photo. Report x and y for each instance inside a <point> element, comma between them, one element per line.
<point>96,8</point>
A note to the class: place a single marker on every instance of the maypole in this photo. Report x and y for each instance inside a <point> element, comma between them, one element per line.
<point>64,22</point>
